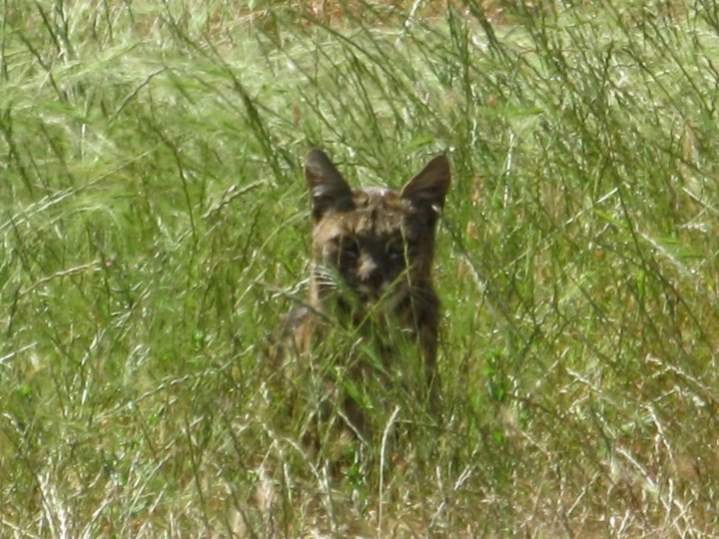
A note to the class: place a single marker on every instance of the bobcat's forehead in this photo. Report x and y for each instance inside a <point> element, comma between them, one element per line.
<point>376,212</point>
<point>379,197</point>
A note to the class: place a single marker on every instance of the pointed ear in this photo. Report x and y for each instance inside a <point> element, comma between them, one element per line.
<point>328,188</point>
<point>431,185</point>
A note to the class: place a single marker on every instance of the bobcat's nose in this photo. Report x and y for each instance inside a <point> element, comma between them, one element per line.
<point>368,271</point>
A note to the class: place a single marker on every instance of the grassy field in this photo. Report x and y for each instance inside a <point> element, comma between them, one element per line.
<point>154,230</point>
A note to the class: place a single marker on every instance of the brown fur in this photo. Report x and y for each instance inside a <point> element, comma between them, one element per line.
<point>372,254</point>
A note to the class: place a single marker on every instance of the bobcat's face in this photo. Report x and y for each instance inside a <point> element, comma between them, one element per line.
<point>368,247</point>
<point>373,245</point>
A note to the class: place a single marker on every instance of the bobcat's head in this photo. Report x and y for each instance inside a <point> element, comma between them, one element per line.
<point>373,245</point>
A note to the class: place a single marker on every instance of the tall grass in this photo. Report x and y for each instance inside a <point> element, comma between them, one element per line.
<point>155,229</point>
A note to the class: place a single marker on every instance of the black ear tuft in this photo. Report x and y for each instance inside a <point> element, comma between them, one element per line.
<point>328,188</point>
<point>431,185</point>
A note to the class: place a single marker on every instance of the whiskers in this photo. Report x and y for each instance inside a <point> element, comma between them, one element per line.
<point>364,301</point>
<point>326,278</point>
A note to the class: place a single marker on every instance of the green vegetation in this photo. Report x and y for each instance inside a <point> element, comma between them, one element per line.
<point>154,231</point>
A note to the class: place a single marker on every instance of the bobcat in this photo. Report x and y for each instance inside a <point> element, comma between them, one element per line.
<point>372,253</point>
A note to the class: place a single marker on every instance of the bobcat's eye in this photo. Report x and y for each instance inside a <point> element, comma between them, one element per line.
<point>396,252</point>
<point>349,250</point>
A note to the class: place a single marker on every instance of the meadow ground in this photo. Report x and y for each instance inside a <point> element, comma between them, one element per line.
<point>154,230</point>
